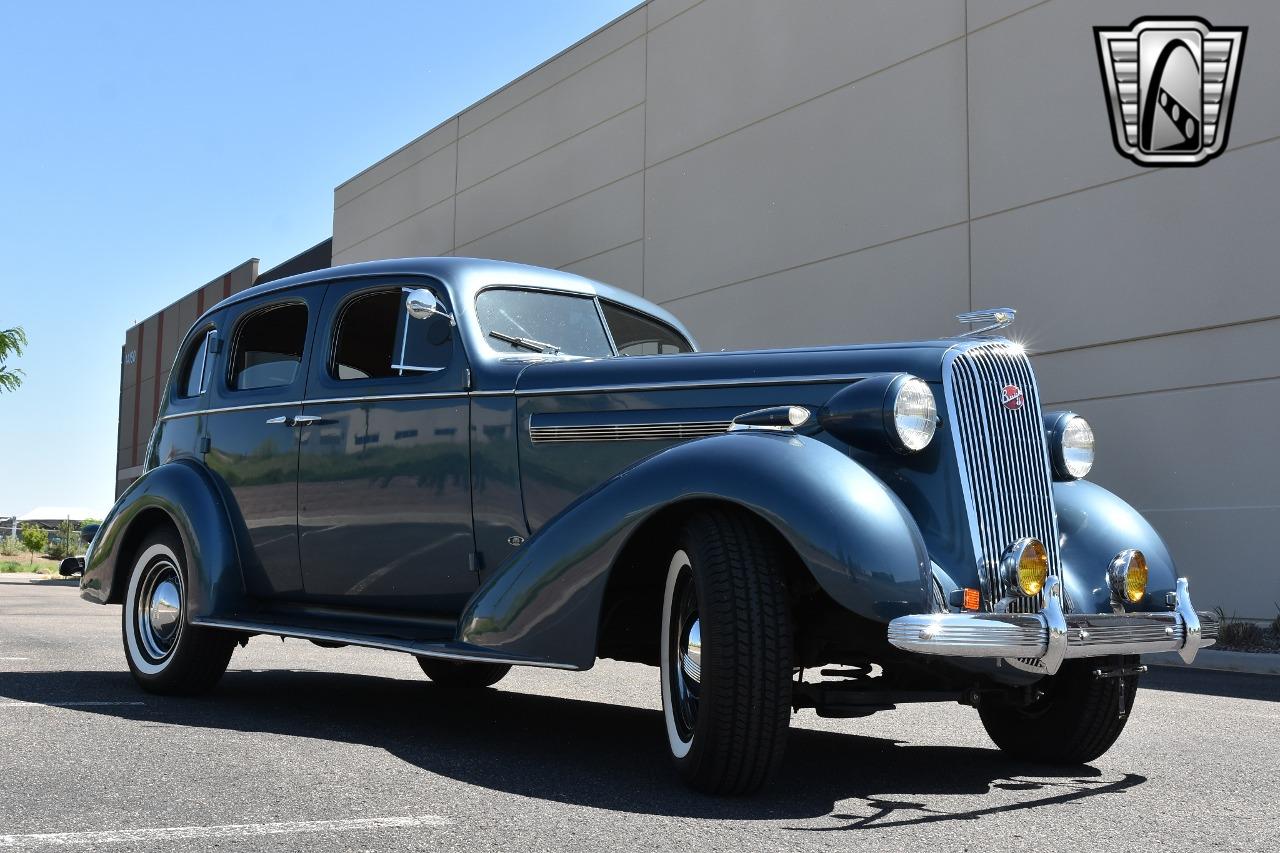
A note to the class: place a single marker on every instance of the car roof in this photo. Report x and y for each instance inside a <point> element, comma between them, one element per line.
<point>465,277</point>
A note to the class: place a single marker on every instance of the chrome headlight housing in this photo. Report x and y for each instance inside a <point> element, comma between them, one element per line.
<point>914,414</point>
<point>1070,444</point>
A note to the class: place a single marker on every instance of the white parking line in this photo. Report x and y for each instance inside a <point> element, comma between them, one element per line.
<point>15,658</point>
<point>236,830</point>
<point>65,705</point>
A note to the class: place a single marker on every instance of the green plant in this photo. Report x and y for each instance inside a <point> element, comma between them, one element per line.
<point>66,540</point>
<point>9,546</point>
<point>34,539</point>
<point>11,343</point>
<point>1239,633</point>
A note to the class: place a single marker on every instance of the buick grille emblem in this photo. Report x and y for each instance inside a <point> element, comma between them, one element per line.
<point>1011,397</point>
<point>1170,84</point>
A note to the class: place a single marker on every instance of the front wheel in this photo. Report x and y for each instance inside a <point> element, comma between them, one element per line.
<point>165,653</point>
<point>726,654</point>
<point>1075,720</point>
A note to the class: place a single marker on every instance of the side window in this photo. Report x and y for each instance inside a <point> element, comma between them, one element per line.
<point>195,367</point>
<point>268,347</point>
<point>375,338</point>
<point>636,334</point>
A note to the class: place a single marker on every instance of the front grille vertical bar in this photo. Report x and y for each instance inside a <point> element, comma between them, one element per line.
<point>1003,459</point>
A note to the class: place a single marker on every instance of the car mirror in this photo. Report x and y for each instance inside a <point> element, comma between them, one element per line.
<point>422,304</point>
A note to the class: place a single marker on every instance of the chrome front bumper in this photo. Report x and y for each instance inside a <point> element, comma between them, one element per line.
<point>1050,636</point>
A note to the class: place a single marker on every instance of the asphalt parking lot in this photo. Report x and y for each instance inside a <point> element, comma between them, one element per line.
<point>304,748</point>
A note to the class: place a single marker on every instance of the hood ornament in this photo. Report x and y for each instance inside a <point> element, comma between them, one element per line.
<point>995,318</point>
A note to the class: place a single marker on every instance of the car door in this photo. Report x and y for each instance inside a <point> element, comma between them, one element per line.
<point>252,442</point>
<point>384,490</point>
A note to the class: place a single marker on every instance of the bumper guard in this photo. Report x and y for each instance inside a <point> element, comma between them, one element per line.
<point>1051,636</point>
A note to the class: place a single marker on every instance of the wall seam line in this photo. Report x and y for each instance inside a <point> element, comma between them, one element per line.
<point>810,263</point>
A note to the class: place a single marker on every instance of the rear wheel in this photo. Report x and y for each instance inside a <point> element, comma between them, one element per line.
<point>1077,719</point>
<point>726,654</point>
<point>465,674</point>
<point>165,653</point>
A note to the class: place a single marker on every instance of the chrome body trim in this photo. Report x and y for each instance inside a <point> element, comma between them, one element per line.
<point>444,651</point>
<point>328,400</point>
<point>626,432</point>
<point>1051,636</point>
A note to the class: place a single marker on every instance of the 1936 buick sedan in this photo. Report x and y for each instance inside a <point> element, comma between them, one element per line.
<point>484,464</point>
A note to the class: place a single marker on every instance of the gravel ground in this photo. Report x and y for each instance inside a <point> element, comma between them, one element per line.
<point>303,748</point>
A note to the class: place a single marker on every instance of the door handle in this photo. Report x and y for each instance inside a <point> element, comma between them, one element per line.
<point>295,421</point>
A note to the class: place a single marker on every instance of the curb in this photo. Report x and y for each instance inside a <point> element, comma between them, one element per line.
<point>1254,663</point>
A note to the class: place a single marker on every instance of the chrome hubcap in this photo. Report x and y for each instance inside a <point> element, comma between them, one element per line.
<point>158,613</point>
<point>684,663</point>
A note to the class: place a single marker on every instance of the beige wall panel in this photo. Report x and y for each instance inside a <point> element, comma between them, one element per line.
<point>601,220</point>
<point>586,162</point>
<point>186,313</point>
<point>1207,357</point>
<point>662,11</point>
<point>422,185</point>
<point>591,50</point>
<point>727,63</point>
<point>872,295</point>
<point>1199,447</point>
<point>1245,584</point>
<point>814,182</point>
<point>598,92</point>
<point>393,164</point>
<point>425,234</point>
<point>622,267</point>
<point>1171,250</point>
<point>982,13</point>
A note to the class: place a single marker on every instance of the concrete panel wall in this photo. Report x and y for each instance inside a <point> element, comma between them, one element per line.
<point>828,171</point>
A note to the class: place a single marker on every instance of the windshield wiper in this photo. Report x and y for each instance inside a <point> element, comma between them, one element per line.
<point>527,343</point>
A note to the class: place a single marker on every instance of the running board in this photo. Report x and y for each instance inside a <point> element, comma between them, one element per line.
<point>445,651</point>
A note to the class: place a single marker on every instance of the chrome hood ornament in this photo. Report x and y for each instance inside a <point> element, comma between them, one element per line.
<point>995,318</point>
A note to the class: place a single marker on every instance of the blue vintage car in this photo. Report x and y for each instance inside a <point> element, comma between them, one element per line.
<point>484,464</point>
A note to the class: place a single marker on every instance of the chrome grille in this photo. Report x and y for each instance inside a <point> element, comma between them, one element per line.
<point>1004,462</point>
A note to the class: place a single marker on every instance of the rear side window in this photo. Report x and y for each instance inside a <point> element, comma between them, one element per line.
<point>268,347</point>
<point>195,367</point>
<point>636,334</point>
<point>375,338</point>
<point>539,321</point>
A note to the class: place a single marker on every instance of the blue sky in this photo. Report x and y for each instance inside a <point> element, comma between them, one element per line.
<point>149,147</point>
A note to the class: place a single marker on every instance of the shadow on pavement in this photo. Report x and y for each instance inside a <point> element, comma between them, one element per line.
<point>1208,682</point>
<point>580,752</point>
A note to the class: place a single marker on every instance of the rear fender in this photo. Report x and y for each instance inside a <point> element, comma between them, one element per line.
<point>183,495</point>
<point>854,536</point>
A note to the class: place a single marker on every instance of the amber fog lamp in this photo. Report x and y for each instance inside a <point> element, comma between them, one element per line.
<point>1025,565</point>
<point>1128,576</point>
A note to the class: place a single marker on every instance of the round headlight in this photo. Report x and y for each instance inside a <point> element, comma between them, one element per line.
<point>1128,576</point>
<point>915,414</point>
<point>1025,565</point>
<point>1071,444</point>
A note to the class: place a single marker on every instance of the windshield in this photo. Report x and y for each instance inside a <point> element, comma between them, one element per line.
<point>515,320</point>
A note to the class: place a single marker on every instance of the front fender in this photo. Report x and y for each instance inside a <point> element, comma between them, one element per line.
<point>855,537</point>
<point>183,493</point>
<point>1093,526</point>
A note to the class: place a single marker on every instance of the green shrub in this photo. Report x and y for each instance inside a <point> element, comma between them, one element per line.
<point>9,546</point>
